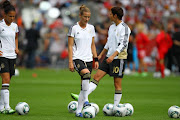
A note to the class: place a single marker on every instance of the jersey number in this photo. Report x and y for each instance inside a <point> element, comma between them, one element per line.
<point>115,69</point>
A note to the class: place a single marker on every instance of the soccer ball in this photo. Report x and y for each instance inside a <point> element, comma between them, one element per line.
<point>130,109</point>
<point>88,112</point>
<point>167,72</point>
<point>96,107</point>
<point>127,71</point>
<point>157,75</point>
<point>16,72</point>
<point>174,111</point>
<point>72,106</point>
<point>119,111</point>
<point>22,108</point>
<point>108,109</point>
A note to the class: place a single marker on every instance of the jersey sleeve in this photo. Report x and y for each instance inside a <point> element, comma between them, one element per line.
<point>71,32</point>
<point>17,30</point>
<point>124,39</point>
<point>93,32</point>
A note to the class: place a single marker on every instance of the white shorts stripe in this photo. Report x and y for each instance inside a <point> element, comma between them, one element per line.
<point>121,67</point>
<point>75,66</point>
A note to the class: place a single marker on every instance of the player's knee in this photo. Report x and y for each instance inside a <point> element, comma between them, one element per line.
<point>86,76</point>
<point>5,80</point>
<point>96,77</point>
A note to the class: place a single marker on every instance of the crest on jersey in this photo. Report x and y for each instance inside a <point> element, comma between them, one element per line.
<point>2,65</point>
<point>78,65</point>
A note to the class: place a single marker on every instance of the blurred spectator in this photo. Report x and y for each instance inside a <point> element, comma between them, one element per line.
<point>176,46</point>
<point>130,49</point>
<point>32,36</point>
<point>102,30</point>
<point>56,47</point>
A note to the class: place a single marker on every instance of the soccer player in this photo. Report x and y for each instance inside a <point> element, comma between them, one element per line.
<point>141,42</point>
<point>164,42</point>
<point>81,48</point>
<point>8,53</point>
<point>116,49</point>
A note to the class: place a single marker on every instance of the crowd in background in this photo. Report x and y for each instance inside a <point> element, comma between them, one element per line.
<point>43,39</point>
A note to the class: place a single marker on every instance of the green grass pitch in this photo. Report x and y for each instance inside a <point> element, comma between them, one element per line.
<point>48,95</point>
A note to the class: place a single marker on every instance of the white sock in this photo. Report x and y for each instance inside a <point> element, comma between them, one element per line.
<point>117,97</point>
<point>85,87</point>
<point>5,93</point>
<point>1,101</point>
<point>92,87</point>
<point>80,102</point>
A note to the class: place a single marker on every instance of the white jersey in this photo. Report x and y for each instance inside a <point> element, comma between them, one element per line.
<point>118,39</point>
<point>82,41</point>
<point>7,39</point>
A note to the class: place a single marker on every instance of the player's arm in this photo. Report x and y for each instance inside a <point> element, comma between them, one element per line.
<point>176,42</point>
<point>16,43</point>
<point>104,51</point>
<point>70,53</point>
<point>93,48</point>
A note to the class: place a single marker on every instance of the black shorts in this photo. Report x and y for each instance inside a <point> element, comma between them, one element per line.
<point>7,65</point>
<point>115,68</point>
<point>80,65</point>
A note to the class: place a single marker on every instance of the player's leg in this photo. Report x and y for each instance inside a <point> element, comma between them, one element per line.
<point>86,76</point>
<point>117,71</point>
<point>7,69</point>
<point>118,90</point>
<point>80,104</point>
<point>94,83</point>
<point>162,67</point>
<point>81,68</point>
<point>5,93</point>
<point>1,102</point>
<point>101,72</point>
<point>161,62</point>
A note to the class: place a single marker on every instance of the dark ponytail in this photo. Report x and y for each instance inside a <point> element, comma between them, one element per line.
<point>6,5</point>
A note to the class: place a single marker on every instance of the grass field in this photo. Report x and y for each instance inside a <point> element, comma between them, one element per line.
<point>48,95</point>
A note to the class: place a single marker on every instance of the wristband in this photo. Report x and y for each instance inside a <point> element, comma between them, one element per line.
<point>96,59</point>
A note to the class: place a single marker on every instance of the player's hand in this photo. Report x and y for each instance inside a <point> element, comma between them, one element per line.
<point>109,59</point>
<point>99,57</point>
<point>96,65</point>
<point>71,67</point>
<point>1,53</point>
<point>16,50</point>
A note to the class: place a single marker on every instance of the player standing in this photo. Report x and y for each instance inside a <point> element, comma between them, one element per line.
<point>116,49</point>
<point>8,53</point>
<point>81,48</point>
<point>141,42</point>
<point>164,42</point>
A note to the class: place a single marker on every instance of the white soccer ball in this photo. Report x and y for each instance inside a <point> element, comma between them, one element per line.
<point>88,112</point>
<point>72,106</point>
<point>16,72</point>
<point>130,109</point>
<point>167,72</point>
<point>96,107</point>
<point>174,111</point>
<point>22,108</point>
<point>127,71</point>
<point>157,75</point>
<point>108,109</point>
<point>119,111</point>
